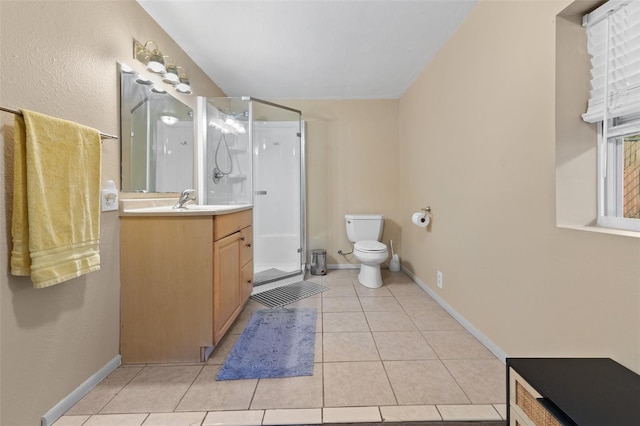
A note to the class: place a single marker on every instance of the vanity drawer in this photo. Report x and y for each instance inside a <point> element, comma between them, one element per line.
<point>227,224</point>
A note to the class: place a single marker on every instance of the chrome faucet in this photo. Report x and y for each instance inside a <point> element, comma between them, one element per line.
<point>184,198</point>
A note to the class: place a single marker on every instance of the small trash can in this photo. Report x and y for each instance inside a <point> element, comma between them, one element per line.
<point>318,262</point>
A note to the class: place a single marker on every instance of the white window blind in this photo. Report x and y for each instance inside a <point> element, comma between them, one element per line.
<point>613,41</point>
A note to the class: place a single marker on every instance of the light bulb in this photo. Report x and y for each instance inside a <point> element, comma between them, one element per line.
<point>171,76</point>
<point>143,80</point>
<point>169,119</point>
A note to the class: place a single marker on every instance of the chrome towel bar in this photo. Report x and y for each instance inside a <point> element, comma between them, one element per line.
<point>18,112</point>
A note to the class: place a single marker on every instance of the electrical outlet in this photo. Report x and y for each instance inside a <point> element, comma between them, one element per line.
<point>439,279</point>
<point>109,200</point>
<point>109,197</point>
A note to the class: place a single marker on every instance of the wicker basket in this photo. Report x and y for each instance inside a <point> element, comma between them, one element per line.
<point>533,409</point>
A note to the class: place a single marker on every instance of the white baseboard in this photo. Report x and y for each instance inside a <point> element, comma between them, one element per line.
<point>70,400</point>
<point>351,266</point>
<point>343,266</point>
<point>499,353</point>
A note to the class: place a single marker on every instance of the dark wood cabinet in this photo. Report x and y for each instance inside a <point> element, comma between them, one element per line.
<point>571,391</point>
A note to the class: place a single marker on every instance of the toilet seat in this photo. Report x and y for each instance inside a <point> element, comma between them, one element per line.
<point>371,254</point>
<point>370,246</point>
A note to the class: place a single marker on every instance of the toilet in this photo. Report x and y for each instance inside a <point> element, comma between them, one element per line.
<point>365,232</point>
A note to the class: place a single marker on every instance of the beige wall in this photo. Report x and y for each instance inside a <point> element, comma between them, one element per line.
<point>576,153</point>
<point>352,168</point>
<point>477,143</point>
<point>59,58</point>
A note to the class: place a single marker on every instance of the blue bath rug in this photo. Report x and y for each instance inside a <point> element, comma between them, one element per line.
<point>275,343</point>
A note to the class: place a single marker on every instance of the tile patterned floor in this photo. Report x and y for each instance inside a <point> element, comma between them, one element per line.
<point>383,356</point>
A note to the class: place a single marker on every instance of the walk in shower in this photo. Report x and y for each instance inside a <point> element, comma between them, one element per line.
<point>254,153</point>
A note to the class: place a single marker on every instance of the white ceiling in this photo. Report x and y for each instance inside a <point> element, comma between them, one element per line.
<point>310,49</point>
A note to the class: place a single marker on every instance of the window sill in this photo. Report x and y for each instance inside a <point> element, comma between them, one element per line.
<point>601,230</point>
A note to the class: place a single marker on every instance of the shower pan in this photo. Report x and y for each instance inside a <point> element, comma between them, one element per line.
<point>253,152</point>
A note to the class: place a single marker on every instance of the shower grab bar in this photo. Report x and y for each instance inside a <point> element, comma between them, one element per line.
<point>18,112</point>
<point>261,192</point>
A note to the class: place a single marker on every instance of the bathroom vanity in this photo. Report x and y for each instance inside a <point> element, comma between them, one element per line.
<point>185,277</point>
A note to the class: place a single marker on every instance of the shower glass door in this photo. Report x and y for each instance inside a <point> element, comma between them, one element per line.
<point>278,198</point>
<point>227,152</point>
<point>253,152</point>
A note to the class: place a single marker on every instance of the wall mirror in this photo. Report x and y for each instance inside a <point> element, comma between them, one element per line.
<point>157,137</point>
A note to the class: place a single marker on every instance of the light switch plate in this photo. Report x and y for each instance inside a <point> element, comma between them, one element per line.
<point>109,200</point>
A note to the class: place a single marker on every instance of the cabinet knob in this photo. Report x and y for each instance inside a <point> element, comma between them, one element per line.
<point>249,282</point>
<point>248,244</point>
<point>241,238</point>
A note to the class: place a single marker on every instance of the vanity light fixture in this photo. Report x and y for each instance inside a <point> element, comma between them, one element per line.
<point>183,86</point>
<point>140,79</point>
<point>157,89</point>
<point>228,126</point>
<point>152,58</point>
<point>150,55</point>
<point>126,69</point>
<point>219,125</point>
<point>171,76</point>
<point>169,119</point>
<point>235,124</point>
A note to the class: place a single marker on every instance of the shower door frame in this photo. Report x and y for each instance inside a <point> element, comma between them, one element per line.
<point>303,183</point>
<point>200,168</point>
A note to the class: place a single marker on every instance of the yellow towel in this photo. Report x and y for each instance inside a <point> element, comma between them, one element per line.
<point>20,260</point>
<point>56,203</point>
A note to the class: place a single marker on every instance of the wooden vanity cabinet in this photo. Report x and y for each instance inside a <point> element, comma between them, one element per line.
<point>232,250</point>
<point>184,281</point>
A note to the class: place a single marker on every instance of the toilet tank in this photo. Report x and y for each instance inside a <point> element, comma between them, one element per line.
<point>362,227</point>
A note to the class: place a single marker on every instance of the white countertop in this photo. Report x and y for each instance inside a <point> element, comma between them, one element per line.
<point>164,207</point>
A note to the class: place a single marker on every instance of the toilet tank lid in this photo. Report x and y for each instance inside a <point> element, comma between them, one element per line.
<point>363,216</point>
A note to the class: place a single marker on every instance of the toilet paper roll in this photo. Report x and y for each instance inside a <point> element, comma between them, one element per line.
<point>420,219</point>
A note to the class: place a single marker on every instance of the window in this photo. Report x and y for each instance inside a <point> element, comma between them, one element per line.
<point>620,176</point>
<point>613,33</point>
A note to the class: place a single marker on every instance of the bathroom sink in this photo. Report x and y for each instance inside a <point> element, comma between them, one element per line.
<point>216,208</point>
<point>187,210</point>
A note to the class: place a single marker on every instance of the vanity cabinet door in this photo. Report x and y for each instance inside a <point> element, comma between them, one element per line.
<point>166,292</point>
<point>246,286</point>
<point>227,296</point>
<point>246,262</point>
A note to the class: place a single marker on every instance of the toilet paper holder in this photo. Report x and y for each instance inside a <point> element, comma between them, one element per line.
<point>422,218</point>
